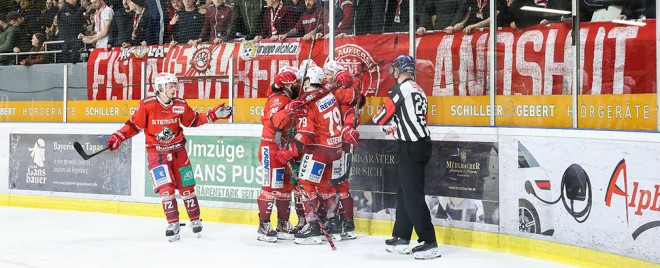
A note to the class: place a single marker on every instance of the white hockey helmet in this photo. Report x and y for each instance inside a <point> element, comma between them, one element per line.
<point>333,66</point>
<point>315,76</point>
<point>162,79</point>
<point>304,65</point>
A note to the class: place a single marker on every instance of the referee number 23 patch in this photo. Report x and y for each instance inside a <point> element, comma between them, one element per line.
<point>160,176</point>
<point>310,169</point>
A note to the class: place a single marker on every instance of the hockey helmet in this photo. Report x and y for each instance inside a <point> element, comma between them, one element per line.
<point>333,66</point>
<point>162,79</point>
<point>304,65</point>
<point>405,64</point>
<point>315,76</point>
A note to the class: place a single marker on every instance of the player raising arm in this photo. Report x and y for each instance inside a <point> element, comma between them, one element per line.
<point>162,118</point>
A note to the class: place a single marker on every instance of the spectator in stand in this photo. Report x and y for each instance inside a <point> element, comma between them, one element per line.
<point>298,7</point>
<point>49,13</point>
<point>510,15</point>
<point>53,32</point>
<point>344,18</point>
<point>88,11</point>
<point>309,24</point>
<point>277,19</point>
<point>121,25</point>
<point>469,12</point>
<point>396,18</point>
<point>173,7</point>
<point>102,19</point>
<point>37,45</point>
<point>440,14</point>
<point>216,22</point>
<point>187,24</point>
<point>156,21</point>
<point>7,40</point>
<point>139,30</point>
<point>245,19</point>
<point>22,36</point>
<point>32,17</point>
<point>638,9</point>
<point>70,24</point>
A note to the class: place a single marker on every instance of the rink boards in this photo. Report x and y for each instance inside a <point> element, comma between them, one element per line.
<point>485,187</point>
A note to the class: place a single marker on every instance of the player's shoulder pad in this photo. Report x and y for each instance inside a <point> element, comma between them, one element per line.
<point>149,99</point>
<point>179,100</point>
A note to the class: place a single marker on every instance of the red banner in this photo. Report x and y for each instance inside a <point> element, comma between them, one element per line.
<point>616,59</point>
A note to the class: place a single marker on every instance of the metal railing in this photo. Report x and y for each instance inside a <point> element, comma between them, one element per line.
<point>52,43</point>
<point>54,52</point>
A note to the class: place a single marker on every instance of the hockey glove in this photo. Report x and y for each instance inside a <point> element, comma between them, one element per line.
<point>284,155</point>
<point>219,112</point>
<point>284,78</point>
<point>389,129</point>
<point>350,135</point>
<point>114,141</point>
<point>345,79</point>
<point>294,108</point>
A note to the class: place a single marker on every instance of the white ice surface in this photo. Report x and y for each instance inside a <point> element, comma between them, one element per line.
<point>54,238</point>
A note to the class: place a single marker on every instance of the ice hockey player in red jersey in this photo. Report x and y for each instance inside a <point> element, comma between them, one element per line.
<point>350,99</point>
<point>318,142</point>
<point>162,118</point>
<point>277,187</point>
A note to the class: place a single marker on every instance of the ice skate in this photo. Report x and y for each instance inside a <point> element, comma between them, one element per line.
<point>333,226</point>
<point>426,251</point>
<point>309,235</point>
<point>397,245</point>
<point>300,225</point>
<point>266,232</point>
<point>196,226</point>
<point>285,230</point>
<point>348,230</point>
<point>172,231</point>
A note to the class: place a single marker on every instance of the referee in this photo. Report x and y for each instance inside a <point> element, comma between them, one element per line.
<point>404,116</point>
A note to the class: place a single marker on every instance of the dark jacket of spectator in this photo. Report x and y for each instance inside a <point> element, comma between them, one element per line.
<point>216,22</point>
<point>188,27</point>
<point>121,27</point>
<point>70,22</point>
<point>634,9</point>
<point>156,15</point>
<point>298,8</point>
<point>447,13</point>
<point>245,18</point>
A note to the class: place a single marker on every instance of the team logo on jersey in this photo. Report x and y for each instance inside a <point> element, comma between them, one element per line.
<point>201,60</point>
<point>178,109</point>
<point>165,135</point>
<point>356,59</point>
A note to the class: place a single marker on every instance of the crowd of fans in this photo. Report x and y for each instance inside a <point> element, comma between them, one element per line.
<point>26,24</point>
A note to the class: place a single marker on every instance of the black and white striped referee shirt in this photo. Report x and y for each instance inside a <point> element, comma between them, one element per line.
<point>406,107</point>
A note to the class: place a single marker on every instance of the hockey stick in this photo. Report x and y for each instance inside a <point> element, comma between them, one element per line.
<point>83,154</point>
<point>349,156</point>
<point>310,204</point>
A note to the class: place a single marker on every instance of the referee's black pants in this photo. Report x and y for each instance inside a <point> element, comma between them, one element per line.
<point>411,209</point>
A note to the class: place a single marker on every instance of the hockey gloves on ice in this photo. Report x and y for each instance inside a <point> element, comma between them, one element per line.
<point>285,78</point>
<point>345,79</point>
<point>219,112</point>
<point>350,135</point>
<point>114,141</point>
<point>284,155</point>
